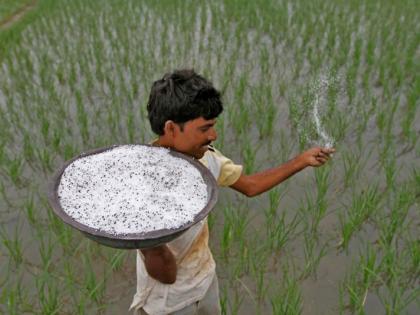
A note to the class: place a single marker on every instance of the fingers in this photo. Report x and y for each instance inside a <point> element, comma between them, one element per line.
<point>322,160</point>
<point>324,155</point>
<point>327,150</point>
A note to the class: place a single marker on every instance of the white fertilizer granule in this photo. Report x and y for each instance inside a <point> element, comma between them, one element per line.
<point>132,189</point>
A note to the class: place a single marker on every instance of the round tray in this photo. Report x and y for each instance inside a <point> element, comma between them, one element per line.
<point>133,240</point>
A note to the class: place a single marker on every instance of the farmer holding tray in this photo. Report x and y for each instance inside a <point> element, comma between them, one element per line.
<point>180,276</point>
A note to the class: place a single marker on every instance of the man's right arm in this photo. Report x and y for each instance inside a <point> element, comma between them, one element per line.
<point>160,264</point>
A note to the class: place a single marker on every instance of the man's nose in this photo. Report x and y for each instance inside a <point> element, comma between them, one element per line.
<point>212,135</point>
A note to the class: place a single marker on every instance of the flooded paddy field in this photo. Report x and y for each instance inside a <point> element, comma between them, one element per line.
<point>340,239</point>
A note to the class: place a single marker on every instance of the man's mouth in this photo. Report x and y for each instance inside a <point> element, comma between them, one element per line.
<point>206,146</point>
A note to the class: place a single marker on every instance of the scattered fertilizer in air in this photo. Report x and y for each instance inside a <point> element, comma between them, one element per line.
<point>132,189</point>
<point>320,89</point>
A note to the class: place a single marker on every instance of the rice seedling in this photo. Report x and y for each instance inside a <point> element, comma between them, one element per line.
<point>234,303</point>
<point>95,288</point>
<point>45,158</point>
<point>117,260</point>
<point>279,231</point>
<point>29,210</point>
<point>13,245</point>
<point>223,301</point>
<point>45,251</point>
<point>48,294</point>
<point>397,299</point>
<point>363,278</point>
<point>13,297</point>
<point>249,157</point>
<point>287,298</point>
<point>14,170</point>
<point>413,248</point>
<point>395,220</point>
<point>5,196</point>
<point>227,235</point>
<point>363,206</point>
<point>312,256</point>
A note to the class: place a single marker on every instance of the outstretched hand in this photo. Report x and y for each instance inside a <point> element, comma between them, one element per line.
<point>317,156</point>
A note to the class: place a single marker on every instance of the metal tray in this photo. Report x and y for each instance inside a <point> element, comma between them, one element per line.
<point>133,240</point>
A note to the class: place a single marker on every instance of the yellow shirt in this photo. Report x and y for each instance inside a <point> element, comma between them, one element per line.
<point>195,264</point>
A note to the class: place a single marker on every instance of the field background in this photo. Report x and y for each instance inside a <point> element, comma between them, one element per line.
<point>341,239</point>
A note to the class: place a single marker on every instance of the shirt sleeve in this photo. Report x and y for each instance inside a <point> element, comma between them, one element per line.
<point>229,171</point>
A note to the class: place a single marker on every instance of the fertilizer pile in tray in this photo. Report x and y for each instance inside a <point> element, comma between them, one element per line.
<point>132,189</point>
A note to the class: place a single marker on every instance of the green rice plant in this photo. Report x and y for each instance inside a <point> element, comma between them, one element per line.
<point>258,267</point>
<point>274,201</point>
<point>95,288</point>
<point>8,8</point>
<point>29,207</point>
<point>45,158</point>
<point>312,257</point>
<point>220,128</point>
<point>223,300</point>
<point>3,155</point>
<point>321,181</point>
<point>240,118</point>
<point>14,170</point>
<point>413,248</point>
<point>339,126</point>
<point>13,245</point>
<point>117,260</point>
<point>287,299</point>
<point>390,169</point>
<point>353,164</point>
<point>13,297</point>
<point>130,127</point>
<point>363,207</point>
<point>81,302</point>
<point>280,231</point>
<point>248,153</point>
<point>243,257</point>
<point>265,110</point>
<point>356,298</point>
<point>5,196</point>
<point>82,117</point>
<point>314,208</point>
<point>56,140</point>
<point>395,223</point>
<point>69,151</point>
<point>227,234</point>
<point>45,251</point>
<point>262,285</point>
<point>396,299</point>
<point>70,277</point>
<point>48,294</point>
<point>410,112</point>
<point>63,233</point>
<point>235,303</point>
<point>28,149</point>
<point>45,128</point>
<point>365,276</point>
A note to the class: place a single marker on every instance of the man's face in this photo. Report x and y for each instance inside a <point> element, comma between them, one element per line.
<point>196,136</point>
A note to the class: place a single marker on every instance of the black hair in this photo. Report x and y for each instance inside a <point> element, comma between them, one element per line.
<point>181,96</point>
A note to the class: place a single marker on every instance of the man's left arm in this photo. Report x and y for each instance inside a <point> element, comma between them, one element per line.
<point>255,184</point>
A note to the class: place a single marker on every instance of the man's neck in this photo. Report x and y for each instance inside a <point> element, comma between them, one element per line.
<point>162,142</point>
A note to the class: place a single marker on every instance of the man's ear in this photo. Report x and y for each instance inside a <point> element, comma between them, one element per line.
<point>170,128</point>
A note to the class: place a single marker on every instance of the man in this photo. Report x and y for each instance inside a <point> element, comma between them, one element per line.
<point>179,277</point>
